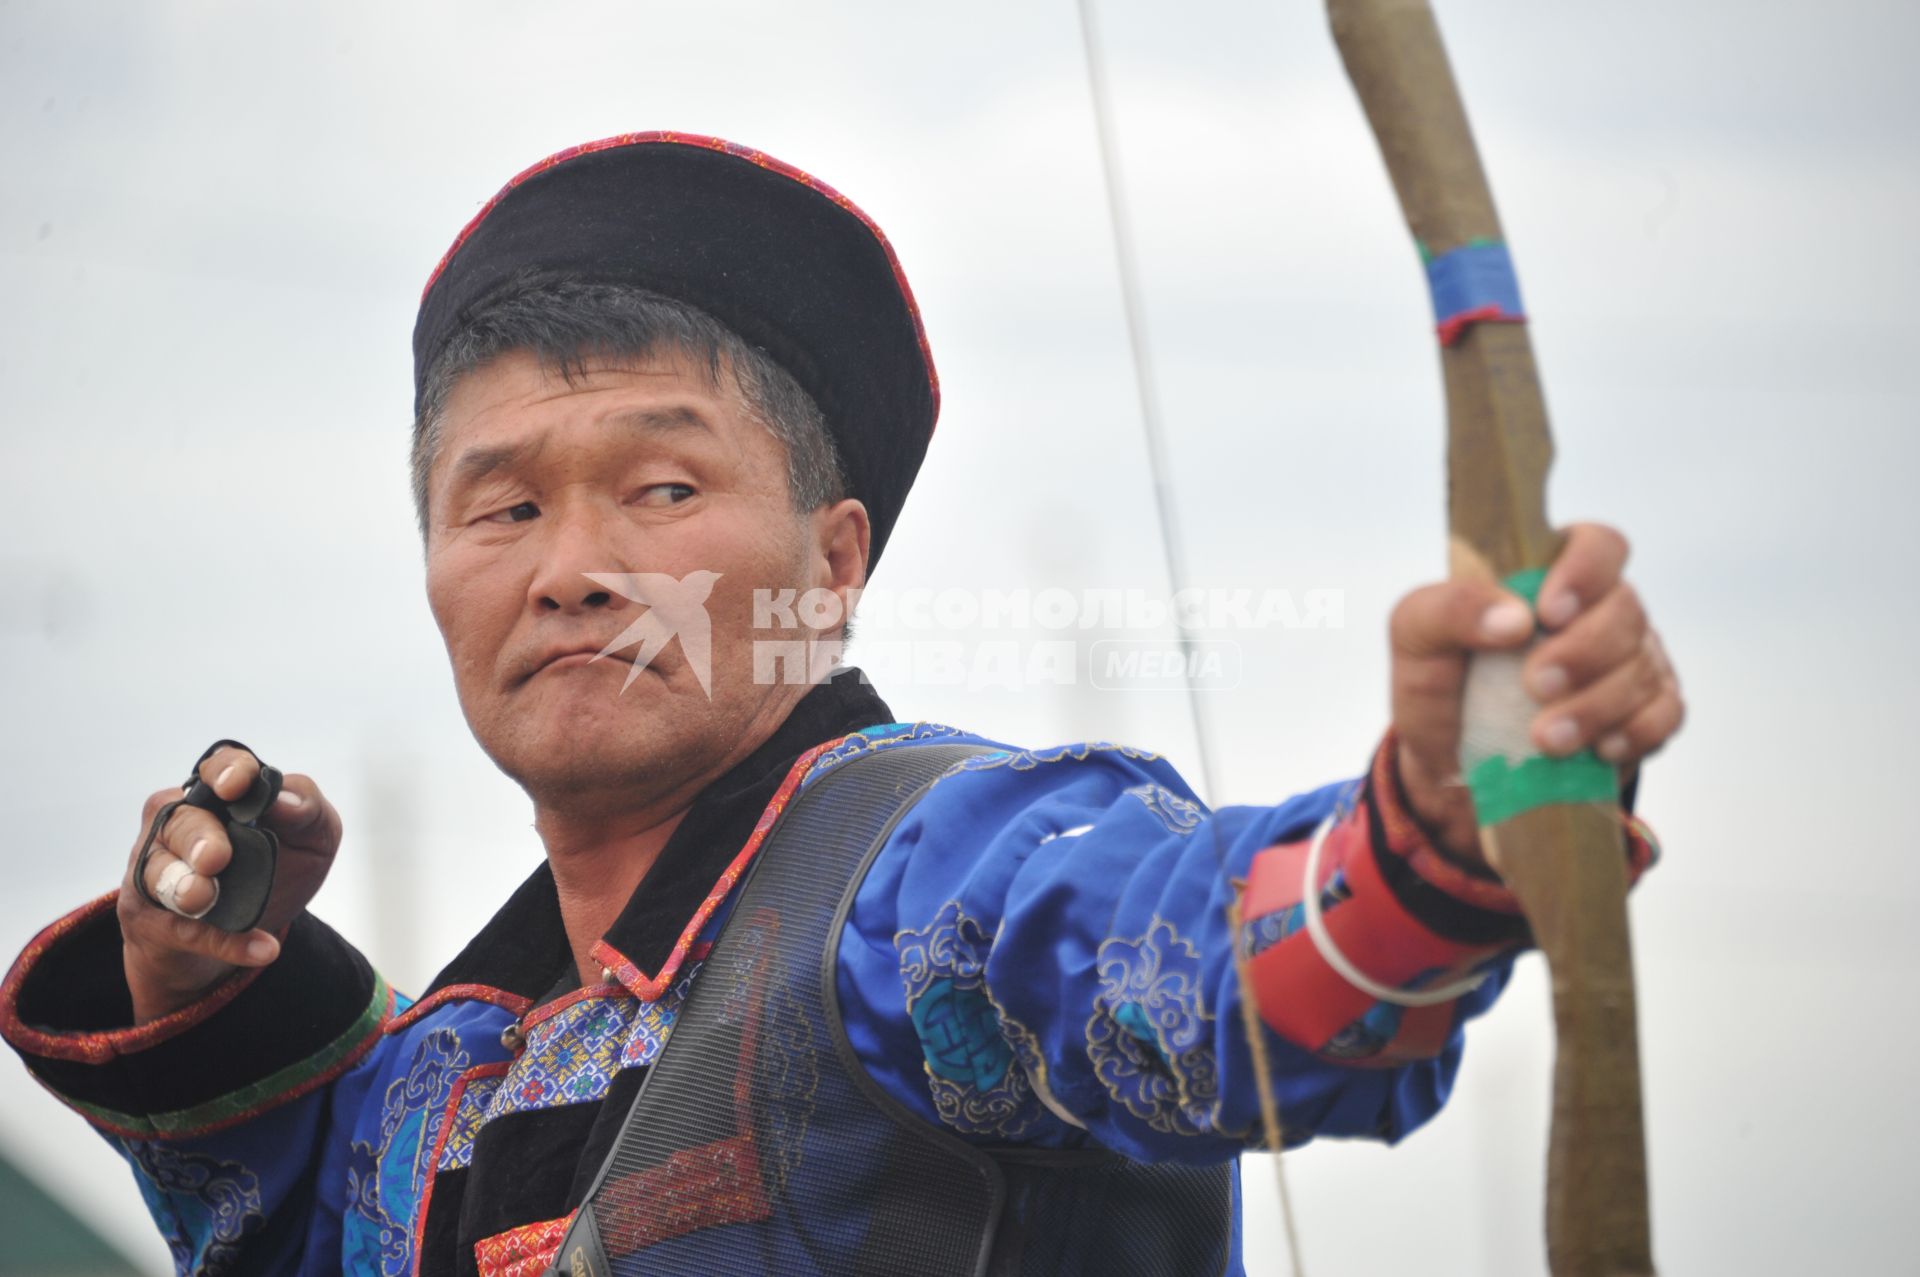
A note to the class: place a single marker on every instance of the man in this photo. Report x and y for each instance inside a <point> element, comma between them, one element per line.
<point>661,379</point>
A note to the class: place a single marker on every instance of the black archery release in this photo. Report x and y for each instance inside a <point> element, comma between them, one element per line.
<point>247,880</point>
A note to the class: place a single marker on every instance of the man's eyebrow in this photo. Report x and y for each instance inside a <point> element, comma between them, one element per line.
<point>477,463</point>
<point>662,420</point>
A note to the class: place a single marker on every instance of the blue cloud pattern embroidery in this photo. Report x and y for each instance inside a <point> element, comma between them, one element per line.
<point>205,1206</point>
<point>1150,1032</point>
<point>386,1174</point>
<point>978,1086</point>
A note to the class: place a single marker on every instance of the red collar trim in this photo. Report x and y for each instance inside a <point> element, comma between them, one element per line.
<point>648,988</point>
<point>512,1002</point>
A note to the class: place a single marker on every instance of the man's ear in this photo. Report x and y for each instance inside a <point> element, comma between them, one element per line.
<point>842,536</point>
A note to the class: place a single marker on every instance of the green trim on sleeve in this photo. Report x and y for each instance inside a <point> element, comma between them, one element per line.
<point>249,1101</point>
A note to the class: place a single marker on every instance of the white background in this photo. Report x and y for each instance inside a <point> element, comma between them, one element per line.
<point>215,220</point>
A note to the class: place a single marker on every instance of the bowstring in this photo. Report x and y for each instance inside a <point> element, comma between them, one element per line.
<point>1146,389</point>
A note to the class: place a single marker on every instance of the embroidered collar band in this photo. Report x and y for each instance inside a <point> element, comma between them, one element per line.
<point>523,952</point>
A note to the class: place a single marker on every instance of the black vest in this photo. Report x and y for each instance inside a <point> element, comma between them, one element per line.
<point>759,1145</point>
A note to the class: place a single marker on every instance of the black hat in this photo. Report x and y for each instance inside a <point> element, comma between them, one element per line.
<point>777,255</point>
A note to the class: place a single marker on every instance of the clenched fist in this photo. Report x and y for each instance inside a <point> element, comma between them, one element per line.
<point>1599,675</point>
<point>171,959</point>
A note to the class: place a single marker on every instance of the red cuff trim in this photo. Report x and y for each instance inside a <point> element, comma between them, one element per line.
<point>97,1046</point>
<point>1375,926</point>
<point>249,1102</point>
<point>1299,995</point>
<point>648,988</point>
<point>1406,839</point>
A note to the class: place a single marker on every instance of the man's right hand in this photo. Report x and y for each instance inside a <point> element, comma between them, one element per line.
<point>172,960</point>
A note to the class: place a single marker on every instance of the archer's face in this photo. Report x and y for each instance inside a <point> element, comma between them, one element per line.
<point>658,483</point>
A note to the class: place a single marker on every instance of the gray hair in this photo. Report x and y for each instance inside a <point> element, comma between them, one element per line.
<point>565,322</point>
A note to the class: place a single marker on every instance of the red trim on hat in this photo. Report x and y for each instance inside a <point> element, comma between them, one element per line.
<point>748,153</point>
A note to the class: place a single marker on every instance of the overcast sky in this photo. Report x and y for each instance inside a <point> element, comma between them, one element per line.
<point>216,219</point>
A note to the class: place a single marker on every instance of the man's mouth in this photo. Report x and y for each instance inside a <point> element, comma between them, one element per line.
<point>570,658</point>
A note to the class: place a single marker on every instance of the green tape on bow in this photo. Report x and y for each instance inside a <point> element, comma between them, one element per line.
<point>1504,785</point>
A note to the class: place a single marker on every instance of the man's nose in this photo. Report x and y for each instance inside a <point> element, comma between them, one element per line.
<point>577,542</point>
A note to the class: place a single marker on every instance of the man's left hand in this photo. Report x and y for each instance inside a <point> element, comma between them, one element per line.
<point>1599,673</point>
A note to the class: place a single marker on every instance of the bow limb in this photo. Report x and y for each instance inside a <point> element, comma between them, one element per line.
<point>1558,851</point>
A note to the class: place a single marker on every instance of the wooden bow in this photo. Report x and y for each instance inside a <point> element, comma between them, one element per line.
<point>1565,861</point>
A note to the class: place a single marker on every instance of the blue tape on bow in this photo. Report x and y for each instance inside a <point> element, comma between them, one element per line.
<point>1472,284</point>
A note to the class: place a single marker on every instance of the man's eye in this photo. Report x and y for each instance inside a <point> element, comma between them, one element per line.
<point>516,513</point>
<point>661,494</point>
